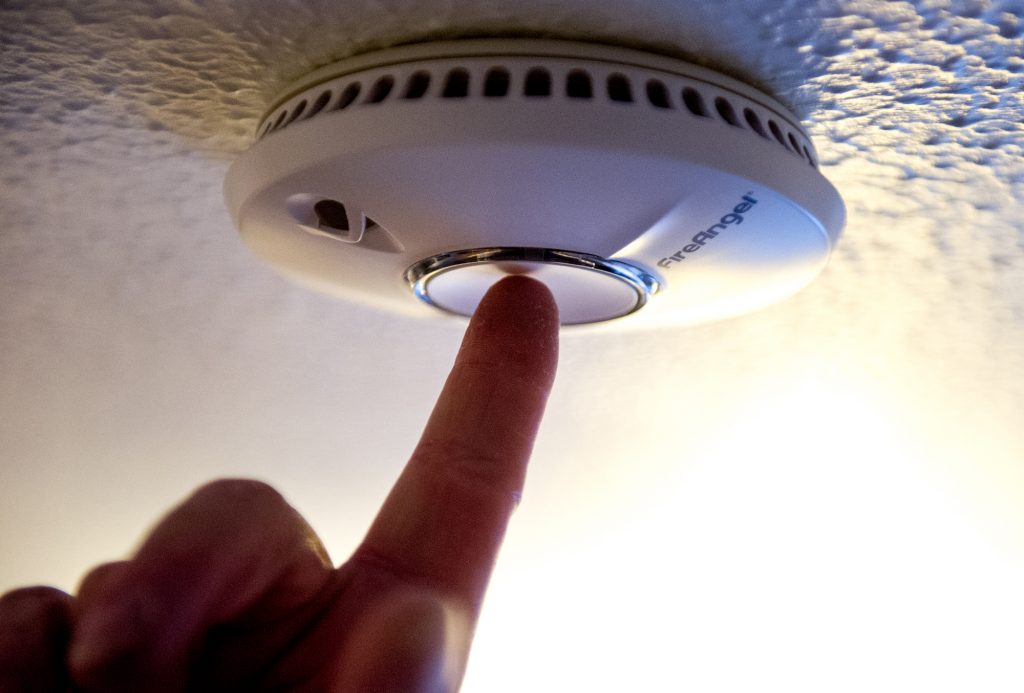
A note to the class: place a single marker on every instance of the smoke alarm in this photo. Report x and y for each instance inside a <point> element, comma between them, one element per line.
<point>636,186</point>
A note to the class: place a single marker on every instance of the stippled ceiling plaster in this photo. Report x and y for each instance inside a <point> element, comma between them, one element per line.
<point>143,350</point>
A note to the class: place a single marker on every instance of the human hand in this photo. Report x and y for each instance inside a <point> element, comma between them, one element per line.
<point>233,590</point>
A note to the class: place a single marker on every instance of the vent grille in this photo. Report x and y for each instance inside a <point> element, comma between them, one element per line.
<point>537,80</point>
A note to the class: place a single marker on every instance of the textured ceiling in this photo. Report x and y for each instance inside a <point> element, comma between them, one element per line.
<point>835,484</point>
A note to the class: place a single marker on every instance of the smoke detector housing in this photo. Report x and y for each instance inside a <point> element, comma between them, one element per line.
<point>632,184</point>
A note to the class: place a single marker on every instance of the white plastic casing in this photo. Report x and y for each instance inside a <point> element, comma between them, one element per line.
<point>703,190</point>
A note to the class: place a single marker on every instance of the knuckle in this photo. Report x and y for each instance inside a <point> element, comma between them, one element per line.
<point>232,510</point>
<point>32,608</point>
<point>97,579</point>
<point>238,491</point>
<point>37,596</point>
<point>476,468</point>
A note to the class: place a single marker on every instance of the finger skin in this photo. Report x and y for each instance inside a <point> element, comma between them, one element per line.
<point>444,520</point>
<point>232,544</point>
<point>34,633</point>
<point>96,585</point>
<point>411,642</point>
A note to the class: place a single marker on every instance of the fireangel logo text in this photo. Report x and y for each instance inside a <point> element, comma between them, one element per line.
<point>699,240</point>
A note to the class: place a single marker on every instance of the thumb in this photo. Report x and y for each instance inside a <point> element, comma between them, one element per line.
<point>414,641</point>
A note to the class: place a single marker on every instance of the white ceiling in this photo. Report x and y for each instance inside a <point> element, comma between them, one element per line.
<point>827,495</point>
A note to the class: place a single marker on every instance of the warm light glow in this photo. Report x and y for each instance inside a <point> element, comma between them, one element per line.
<point>818,547</point>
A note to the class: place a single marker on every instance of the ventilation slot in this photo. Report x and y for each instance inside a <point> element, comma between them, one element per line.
<point>657,94</point>
<point>810,158</point>
<point>794,143</point>
<point>754,122</point>
<point>726,111</point>
<point>578,86</point>
<point>331,216</point>
<point>348,96</point>
<point>280,120</point>
<point>538,82</point>
<point>297,112</point>
<point>319,104</point>
<point>381,88</point>
<point>694,102</point>
<point>774,127</point>
<point>619,89</point>
<point>496,82</point>
<point>417,86</point>
<point>456,85</point>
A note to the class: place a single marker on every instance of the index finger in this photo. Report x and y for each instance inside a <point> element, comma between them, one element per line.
<point>443,522</point>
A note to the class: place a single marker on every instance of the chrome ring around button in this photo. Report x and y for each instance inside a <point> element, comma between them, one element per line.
<point>642,284</point>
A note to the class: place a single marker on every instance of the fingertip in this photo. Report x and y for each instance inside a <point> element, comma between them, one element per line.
<point>516,325</point>
<point>521,284</point>
<point>521,295</point>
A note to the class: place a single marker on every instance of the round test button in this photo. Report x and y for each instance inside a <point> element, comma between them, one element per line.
<point>586,288</point>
